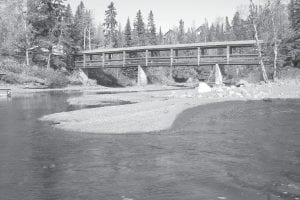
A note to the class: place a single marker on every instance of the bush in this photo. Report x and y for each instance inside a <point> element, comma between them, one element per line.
<point>12,78</point>
<point>56,79</point>
<point>9,65</point>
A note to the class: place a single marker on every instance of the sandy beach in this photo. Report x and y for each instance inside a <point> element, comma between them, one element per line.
<point>152,111</point>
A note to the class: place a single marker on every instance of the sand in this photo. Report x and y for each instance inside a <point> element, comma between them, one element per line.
<point>157,110</point>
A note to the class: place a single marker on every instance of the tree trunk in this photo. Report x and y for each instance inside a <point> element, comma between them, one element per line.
<point>26,34</point>
<point>90,44</point>
<point>275,49</point>
<point>262,65</point>
<point>84,39</point>
<point>48,62</point>
<point>27,57</point>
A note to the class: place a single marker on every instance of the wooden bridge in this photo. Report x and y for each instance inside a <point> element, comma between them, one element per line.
<point>196,54</point>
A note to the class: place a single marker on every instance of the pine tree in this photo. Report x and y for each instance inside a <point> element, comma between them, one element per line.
<point>66,36</point>
<point>160,37</point>
<point>79,25</point>
<point>237,27</point>
<point>99,36</point>
<point>128,34</point>
<point>294,44</point>
<point>120,36</point>
<point>46,19</point>
<point>227,30</point>
<point>110,27</point>
<point>181,32</point>
<point>69,19</point>
<point>151,30</point>
<point>139,30</point>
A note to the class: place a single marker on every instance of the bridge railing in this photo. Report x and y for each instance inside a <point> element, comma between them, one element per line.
<point>164,61</point>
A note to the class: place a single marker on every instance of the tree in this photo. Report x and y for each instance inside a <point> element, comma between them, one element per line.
<point>15,32</point>
<point>181,32</point>
<point>237,26</point>
<point>294,41</point>
<point>253,17</point>
<point>227,30</point>
<point>160,37</point>
<point>139,30</point>
<point>46,18</point>
<point>79,26</point>
<point>128,34</point>
<point>151,30</point>
<point>99,36</point>
<point>110,26</point>
<point>120,36</point>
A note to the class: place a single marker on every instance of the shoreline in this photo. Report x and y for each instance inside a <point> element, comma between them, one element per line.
<point>157,111</point>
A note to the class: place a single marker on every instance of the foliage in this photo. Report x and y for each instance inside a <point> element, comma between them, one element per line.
<point>110,26</point>
<point>56,79</point>
<point>151,30</point>
<point>181,32</point>
<point>128,34</point>
<point>139,30</point>
<point>19,73</point>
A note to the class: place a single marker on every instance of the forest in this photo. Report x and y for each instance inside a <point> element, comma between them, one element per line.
<point>47,33</point>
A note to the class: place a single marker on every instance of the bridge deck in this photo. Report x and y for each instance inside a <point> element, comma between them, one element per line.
<point>197,54</point>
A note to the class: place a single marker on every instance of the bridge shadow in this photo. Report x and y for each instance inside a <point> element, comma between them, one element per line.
<point>102,77</point>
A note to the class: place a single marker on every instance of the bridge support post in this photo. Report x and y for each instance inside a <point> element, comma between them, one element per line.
<point>146,57</point>
<point>171,62</point>
<point>124,58</point>
<point>228,51</point>
<point>142,77</point>
<point>84,60</point>
<point>103,60</point>
<point>218,75</point>
<point>199,56</point>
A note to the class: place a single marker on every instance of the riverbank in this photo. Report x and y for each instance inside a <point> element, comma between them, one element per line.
<point>157,110</point>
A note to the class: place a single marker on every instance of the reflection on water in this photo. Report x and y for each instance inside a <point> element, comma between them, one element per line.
<point>241,150</point>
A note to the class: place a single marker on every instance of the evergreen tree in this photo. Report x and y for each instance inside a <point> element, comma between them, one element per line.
<point>181,32</point>
<point>237,27</point>
<point>139,30</point>
<point>160,36</point>
<point>227,30</point>
<point>66,37</point>
<point>219,32</point>
<point>46,19</point>
<point>99,36</point>
<point>294,42</point>
<point>212,34</point>
<point>128,34</point>
<point>110,27</point>
<point>69,19</point>
<point>79,25</point>
<point>151,30</point>
<point>120,36</point>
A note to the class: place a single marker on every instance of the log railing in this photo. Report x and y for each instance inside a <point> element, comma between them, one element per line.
<point>234,59</point>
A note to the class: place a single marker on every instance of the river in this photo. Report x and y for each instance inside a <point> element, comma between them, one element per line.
<point>232,150</point>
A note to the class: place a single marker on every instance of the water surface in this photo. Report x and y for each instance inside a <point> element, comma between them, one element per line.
<point>233,150</point>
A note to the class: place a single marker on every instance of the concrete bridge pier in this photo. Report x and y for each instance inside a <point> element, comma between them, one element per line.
<point>142,77</point>
<point>218,75</point>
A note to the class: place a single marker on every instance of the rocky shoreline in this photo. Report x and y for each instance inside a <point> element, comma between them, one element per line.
<point>157,110</point>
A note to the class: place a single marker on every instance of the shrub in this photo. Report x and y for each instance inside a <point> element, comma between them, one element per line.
<point>56,79</point>
<point>12,78</point>
<point>10,65</point>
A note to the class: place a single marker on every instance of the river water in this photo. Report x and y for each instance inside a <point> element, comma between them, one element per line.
<point>237,150</point>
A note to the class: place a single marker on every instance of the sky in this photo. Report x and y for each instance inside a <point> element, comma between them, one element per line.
<point>167,13</point>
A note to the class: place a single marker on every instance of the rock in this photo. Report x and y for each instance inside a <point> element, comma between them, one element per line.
<point>241,83</point>
<point>203,88</point>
